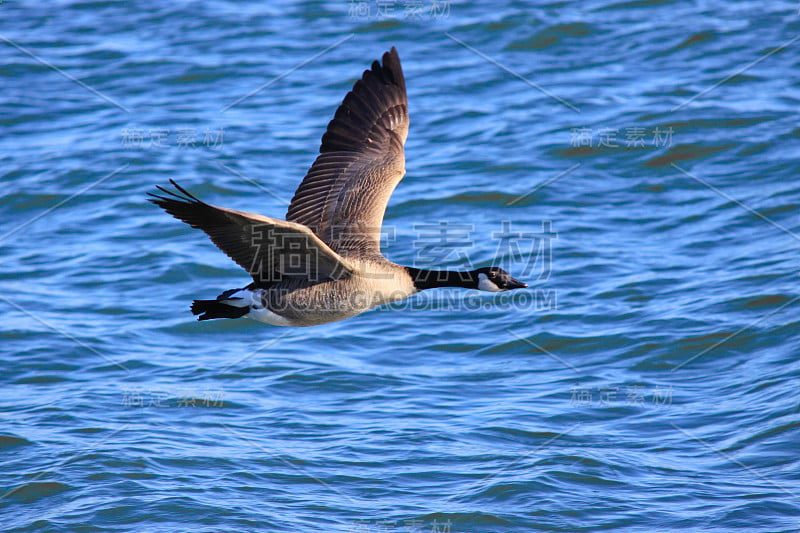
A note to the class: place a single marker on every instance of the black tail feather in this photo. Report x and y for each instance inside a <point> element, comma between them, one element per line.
<point>210,309</point>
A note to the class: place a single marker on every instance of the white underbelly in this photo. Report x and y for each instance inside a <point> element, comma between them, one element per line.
<point>268,317</point>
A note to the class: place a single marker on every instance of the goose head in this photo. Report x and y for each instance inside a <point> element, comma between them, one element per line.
<point>494,279</point>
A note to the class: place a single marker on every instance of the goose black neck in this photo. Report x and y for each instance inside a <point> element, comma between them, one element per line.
<point>432,279</point>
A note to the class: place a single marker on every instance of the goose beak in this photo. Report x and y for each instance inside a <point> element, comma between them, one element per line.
<point>516,284</point>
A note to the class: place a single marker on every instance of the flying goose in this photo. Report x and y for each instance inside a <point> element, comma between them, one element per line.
<point>324,262</point>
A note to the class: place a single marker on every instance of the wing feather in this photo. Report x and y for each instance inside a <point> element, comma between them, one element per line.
<point>343,197</point>
<point>269,249</point>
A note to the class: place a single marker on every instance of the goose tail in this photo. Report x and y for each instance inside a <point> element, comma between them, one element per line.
<point>210,309</point>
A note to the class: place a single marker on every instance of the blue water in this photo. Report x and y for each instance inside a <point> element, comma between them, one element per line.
<point>635,161</point>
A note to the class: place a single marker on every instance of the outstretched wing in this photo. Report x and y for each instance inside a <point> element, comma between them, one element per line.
<point>343,197</point>
<point>267,248</point>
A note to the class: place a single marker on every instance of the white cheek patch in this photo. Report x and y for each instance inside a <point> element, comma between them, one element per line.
<point>485,284</point>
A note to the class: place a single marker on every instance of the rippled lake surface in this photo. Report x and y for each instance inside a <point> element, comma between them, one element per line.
<point>635,161</point>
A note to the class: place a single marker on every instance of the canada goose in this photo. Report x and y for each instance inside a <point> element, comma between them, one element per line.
<point>324,262</point>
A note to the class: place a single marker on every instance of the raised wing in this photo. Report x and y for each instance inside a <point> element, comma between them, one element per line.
<point>267,248</point>
<point>343,197</point>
